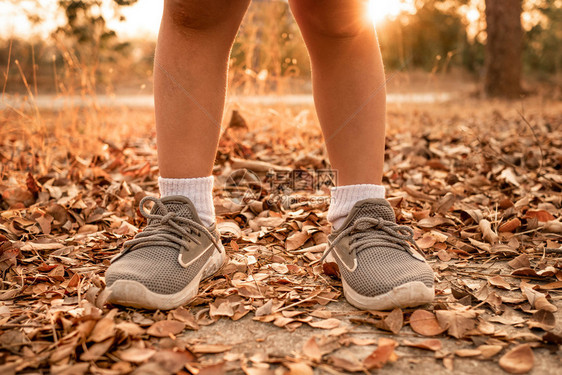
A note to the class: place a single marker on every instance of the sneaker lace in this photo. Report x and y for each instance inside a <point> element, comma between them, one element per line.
<point>167,229</point>
<point>367,232</point>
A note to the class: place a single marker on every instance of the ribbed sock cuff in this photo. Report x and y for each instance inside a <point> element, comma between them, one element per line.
<point>345,197</point>
<point>199,190</point>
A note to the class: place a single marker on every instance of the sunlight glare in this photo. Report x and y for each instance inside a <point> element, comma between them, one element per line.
<point>380,10</point>
<point>473,15</point>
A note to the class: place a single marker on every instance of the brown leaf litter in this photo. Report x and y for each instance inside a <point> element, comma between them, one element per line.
<point>482,193</point>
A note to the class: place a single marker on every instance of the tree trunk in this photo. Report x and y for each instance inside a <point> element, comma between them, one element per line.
<point>504,48</point>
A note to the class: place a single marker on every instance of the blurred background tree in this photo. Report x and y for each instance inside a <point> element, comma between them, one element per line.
<point>81,52</point>
<point>86,42</point>
<point>542,52</point>
<point>504,47</point>
<point>434,36</point>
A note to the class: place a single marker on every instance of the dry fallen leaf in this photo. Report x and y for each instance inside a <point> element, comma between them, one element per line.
<point>488,351</point>
<point>98,349</point>
<point>326,324</point>
<point>448,363</point>
<point>311,350</point>
<point>457,323</point>
<point>210,348</point>
<point>105,328</point>
<point>542,319</point>
<point>165,328</point>
<point>347,364</point>
<point>425,323</point>
<point>431,344</point>
<point>331,269</point>
<point>76,369</point>
<point>229,227</point>
<point>296,240</point>
<point>172,361</point>
<point>509,317</point>
<point>185,316</point>
<point>131,329</point>
<point>540,215</point>
<point>444,255</point>
<point>426,242</point>
<point>553,227</point>
<point>521,261</point>
<point>299,368</point>
<point>467,352</point>
<point>435,221</point>
<point>265,309</point>
<point>382,354</point>
<point>393,322</point>
<point>538,300</point>
<point>518,360</point>
<point>499,282</point>
<point>487,232</point>
<point>135,355</point>
<point>510,226</point>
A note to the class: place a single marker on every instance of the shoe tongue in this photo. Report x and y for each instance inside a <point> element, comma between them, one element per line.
<point>375,208</point>
<point>182,206</point>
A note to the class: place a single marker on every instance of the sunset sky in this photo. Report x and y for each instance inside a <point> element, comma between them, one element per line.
<point>143,18</point>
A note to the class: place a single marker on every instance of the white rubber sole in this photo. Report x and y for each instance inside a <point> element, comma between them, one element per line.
<point>134,294</point>
<point>411,294</point>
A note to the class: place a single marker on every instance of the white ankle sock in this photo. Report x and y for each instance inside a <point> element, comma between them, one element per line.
<point>199,190</point>
<point>344,197</point>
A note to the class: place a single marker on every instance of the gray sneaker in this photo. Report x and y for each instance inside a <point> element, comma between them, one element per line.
<point>161,268</point>
<point>378,267</point>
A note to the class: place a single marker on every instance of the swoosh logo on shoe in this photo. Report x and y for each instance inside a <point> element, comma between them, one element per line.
<point>337,255</point>
<point>184,264</point>
<point>345,264</point>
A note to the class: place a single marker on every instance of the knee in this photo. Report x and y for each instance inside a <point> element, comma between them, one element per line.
<point>197,15</point>
<point>331,18</point>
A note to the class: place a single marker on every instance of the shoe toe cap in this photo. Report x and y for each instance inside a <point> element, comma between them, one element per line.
<point>377,274</point>
<point>161,273</point>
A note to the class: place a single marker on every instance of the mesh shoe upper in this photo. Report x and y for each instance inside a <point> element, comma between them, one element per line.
<point>378,250</point>
<point>152,257</point>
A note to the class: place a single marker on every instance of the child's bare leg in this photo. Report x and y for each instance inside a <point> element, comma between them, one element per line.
<point>161,268</point>
<point>348,81</point>
<point>379,269</point>
<point>190,77</point>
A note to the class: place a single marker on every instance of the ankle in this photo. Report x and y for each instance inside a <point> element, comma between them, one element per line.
<point>344,198</point>
<point>199,191</point>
